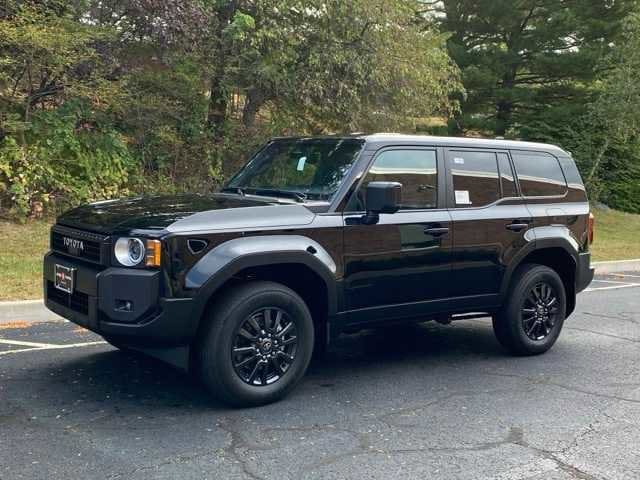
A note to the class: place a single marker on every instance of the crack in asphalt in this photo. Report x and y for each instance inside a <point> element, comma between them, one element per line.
<point>539,381</point>
<point>594,332</point>
<point>622,316</point>
<point>238,443</point>
<point>515,437</point>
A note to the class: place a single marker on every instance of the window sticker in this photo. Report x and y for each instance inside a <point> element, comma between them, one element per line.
<point>301,163</point>
<point>462,197</point>
<point>458,160</point>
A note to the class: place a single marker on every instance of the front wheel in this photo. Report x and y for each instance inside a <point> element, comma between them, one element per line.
<point>531,320</point>
<point>256,345</point>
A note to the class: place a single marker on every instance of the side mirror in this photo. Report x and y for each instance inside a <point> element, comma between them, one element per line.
<point>381,197</point>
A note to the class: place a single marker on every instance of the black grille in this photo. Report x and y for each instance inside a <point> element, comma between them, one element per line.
<point>77,301</point>
<point>79,244</point>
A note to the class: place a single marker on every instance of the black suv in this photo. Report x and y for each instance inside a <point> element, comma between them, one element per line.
<point>315,236</point>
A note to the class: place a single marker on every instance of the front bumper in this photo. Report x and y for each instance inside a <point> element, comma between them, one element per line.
<point>97,304</point>
<point>585,272</point>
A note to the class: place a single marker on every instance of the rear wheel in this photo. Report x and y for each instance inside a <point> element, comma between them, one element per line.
<point>531,320</point>
<point>256,345</point>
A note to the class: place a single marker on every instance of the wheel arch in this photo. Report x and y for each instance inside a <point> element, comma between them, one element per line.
<point>295,261</point>
<point>557,254</point>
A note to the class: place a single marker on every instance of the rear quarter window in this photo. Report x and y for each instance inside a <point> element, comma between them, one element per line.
<point>539,174</point>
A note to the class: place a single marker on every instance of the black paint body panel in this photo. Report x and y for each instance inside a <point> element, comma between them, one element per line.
<point>413,264</point>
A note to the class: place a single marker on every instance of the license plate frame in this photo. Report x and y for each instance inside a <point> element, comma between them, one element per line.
<point>64,278</point>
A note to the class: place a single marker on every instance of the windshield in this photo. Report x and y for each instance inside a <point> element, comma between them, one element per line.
<point>298,168</point>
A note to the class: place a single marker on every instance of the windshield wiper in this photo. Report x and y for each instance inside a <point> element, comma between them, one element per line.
<point>297,196</point>
<point>237,190</point>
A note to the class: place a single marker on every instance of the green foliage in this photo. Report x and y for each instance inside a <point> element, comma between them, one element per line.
<point>103,98</point>
<point>565,72</point>
<point>520,58</point>
<point>67,159</point>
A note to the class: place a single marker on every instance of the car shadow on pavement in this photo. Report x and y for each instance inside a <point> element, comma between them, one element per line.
<point>126,378</point>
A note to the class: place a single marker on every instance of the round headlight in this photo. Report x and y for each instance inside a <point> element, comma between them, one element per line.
<point>129,251</point>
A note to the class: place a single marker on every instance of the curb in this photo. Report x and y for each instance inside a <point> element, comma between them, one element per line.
<point>26,311</point>
<point>35,311</point>
<point>618,266</point>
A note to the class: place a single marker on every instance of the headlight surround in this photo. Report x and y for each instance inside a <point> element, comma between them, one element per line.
<point>130,251</point>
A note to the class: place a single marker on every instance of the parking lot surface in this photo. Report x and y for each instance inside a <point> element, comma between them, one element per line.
<point>424,401</point>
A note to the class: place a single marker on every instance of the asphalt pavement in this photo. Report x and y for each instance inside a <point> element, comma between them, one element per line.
<point>413,402</point>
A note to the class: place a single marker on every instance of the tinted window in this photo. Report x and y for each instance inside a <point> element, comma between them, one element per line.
<point>571,173</point>
<point>506,176</point>
<point>540,175</point>
<point>475,178</point>
<point>416,170</point>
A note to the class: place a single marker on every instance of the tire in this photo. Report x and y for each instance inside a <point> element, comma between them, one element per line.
<point>252,377</point>
<point>532,317</point>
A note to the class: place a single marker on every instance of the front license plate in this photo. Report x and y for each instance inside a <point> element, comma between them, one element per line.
<point>64,278</point>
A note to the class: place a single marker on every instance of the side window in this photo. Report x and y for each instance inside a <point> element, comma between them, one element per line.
<point>476,181</point>
<point>540,175</point>
<point>416,170</point>
<point>506,176</point>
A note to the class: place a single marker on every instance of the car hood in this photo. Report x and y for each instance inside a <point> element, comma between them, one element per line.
<point>183,213</point>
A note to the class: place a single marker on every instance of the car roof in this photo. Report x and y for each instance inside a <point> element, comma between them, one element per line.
<point>378,140</point>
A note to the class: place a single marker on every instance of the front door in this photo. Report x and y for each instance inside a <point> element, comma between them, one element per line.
<point>401,265</point>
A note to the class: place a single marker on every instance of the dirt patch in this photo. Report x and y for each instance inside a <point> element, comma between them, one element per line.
<point>15,325</point>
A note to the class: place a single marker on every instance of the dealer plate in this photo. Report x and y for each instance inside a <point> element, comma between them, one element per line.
<point>64,278</point>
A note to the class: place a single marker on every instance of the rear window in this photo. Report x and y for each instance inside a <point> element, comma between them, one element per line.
<point>539,175</point>
<point>475,178</point>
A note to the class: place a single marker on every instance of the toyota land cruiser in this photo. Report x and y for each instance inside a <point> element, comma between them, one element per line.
<point>315,236</point>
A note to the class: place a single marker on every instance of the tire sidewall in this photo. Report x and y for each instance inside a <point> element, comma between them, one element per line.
<point>521,291</point>
<point>232,384</point>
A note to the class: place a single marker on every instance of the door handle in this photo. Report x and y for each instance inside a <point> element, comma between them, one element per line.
<point>517,226</point>
<point>436,231</point>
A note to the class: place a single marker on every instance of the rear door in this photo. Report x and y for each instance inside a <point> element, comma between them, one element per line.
<point>490,221</point>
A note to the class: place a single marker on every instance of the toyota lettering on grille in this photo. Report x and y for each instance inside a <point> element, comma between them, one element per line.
<point>73,244</point>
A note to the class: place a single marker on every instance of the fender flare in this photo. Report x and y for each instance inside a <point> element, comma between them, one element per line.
<point>562,241</point>
<point>224,261</point>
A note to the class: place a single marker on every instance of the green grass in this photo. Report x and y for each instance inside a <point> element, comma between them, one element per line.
<point>21,250</point>
<point>617,236</point>
<point>23,246</point>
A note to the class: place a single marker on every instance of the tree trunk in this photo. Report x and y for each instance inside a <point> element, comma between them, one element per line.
<point>504,106</point>
<point>596,163</point>
<point>254,101</point>
<point>219,100</point>
<point>503,118</point>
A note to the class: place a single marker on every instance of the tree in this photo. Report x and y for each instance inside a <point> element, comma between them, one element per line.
<point>338,65</point>
<point>610,141</point>
<point>521,57</point>
<point>44,54</point>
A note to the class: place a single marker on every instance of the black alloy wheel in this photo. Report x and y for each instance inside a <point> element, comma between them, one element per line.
<point>255,344</point>
<point>540,311</point>
<point>531,318</point>
<point>265,346</point>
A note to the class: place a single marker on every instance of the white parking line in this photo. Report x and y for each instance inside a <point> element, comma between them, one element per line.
<point>24,344</point>
<point>624,275</point>
<point>611,281</point>
<point>615,287</point>
<point>47,346</point>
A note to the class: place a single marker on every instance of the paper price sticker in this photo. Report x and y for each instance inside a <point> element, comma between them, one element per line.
<point>462,197</point>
